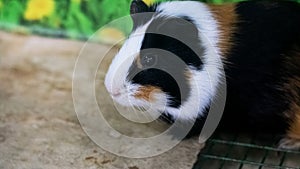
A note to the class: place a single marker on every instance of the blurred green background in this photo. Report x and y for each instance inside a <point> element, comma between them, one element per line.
<point>76,19</point>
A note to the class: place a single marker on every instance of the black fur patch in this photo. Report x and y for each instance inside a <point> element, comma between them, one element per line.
<point>180,49</point>
<point>176,35</point>
<point>266,31</point>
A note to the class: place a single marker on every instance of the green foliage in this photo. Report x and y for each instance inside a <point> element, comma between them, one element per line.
<point>11,11</point>
<point>76,17</point>
<point>113,9</point>
<point>76,20</point>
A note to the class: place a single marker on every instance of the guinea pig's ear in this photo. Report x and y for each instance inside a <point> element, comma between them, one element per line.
<point>138,6</point>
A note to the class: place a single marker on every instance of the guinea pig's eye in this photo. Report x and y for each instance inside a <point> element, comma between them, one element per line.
<point>149,60</point>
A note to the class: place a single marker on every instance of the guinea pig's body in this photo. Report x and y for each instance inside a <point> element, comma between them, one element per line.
<point>257,43</point>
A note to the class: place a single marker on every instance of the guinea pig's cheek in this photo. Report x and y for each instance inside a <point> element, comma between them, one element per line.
<point>148,93</point>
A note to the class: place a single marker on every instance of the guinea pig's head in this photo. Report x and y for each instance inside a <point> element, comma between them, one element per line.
<point>161,65</point>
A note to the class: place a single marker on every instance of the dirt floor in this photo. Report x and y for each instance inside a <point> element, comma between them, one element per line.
<point>38,125</point>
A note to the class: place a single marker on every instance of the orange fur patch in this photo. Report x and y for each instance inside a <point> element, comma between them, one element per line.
<point>146,93</point>
<point>294,112</point>
<point>292,137</point>
<point>294,130</point>
<point>226,19</point>
<point>292,89</point>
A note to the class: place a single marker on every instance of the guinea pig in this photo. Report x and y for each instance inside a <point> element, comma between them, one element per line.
<point>256,42</point>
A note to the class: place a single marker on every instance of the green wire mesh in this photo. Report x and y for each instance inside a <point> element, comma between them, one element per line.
<point>234,151</point>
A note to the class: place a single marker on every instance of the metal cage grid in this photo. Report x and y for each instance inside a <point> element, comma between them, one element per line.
<point>225,151</point>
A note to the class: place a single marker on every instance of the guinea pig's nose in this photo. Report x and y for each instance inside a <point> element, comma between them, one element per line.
<point>115,93</point>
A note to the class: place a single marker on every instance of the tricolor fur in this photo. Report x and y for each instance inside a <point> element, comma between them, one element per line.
<point>257,42</point>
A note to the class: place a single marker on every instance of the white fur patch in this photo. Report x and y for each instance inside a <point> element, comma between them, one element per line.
<point>204,83</point>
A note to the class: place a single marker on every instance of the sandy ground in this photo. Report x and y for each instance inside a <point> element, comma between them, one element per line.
<point>38,125</point>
